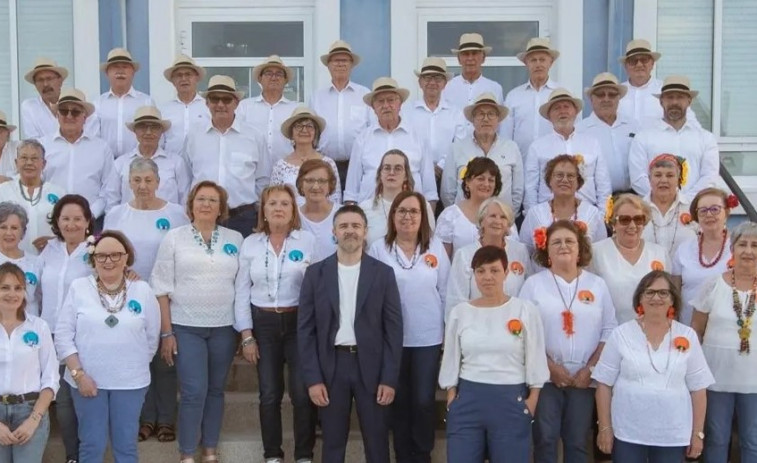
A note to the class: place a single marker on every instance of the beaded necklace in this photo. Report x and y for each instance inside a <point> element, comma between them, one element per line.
<point>31,199</point>
<point>208,246</point>
<point>413,261</point>
<point>552,211</point>
<point>717,257</point>
<point>281,267</point>
<point>743,317</point>
<point>567,314</point>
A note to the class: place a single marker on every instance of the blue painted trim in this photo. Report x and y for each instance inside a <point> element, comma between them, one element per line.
<point>137,36</point>
<point>366,25</point>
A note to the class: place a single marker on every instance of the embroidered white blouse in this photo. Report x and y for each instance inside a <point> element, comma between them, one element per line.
<point>671,229</point>
<point>27,358</point>
<point>58,269</point>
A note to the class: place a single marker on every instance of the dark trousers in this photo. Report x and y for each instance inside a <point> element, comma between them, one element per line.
<point>276,335</point>
<point>160,401</point>
<point>414,407</point>
<point>341,167</point>
<point>243,222</point>
<point>335,417</point>
<point>66,417</point>
<point>626,452</point>
<point>563,413</point>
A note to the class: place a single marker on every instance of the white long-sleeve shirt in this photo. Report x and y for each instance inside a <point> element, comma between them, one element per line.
<point>27,359</point>
<point>461,93</point>
<point>267,118</point>
<point>30,264</point>
<point>113,112</point>
<point>183,117</point>
<point>615,141</point>
<point>437,129</point>
<point>37,214</point>
<point>641,106</point>
<point>37,120</point>
<point>524,124</point>
<point>346,116</point>
<point>58,269</point>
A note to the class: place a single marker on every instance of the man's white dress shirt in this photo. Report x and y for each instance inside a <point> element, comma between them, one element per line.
<point>182,117</point>
<point>267,118</point>
<point>615,141</point>
<point>346,116</point>
<point>113,112</point>
<point>524,124</point>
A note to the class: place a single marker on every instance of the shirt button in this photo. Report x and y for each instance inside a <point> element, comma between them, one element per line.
<point>520,399</point>
<point>525,411</point>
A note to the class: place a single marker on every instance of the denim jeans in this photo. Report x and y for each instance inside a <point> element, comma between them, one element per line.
<point>276,334</point>
<point>66,417</point>
<point>721,407</point>
<point>202,365</point>
<point>110,414</point>
<point>626,452</point>
<point>563,413</point>
<point>160,401</point>
<point>31,452</point>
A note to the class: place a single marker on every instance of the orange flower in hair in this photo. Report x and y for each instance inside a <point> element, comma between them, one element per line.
<point>685,218</point>
<point>657,265</point>
<point>515,327</point>
<point>579,158</point>
<point>586,296</point>
<point>608,209</point>
<point>431,260</point>
<point>540,238</point>
<point>681,344</point>
<point>581,225</point>
<point>516,267</point>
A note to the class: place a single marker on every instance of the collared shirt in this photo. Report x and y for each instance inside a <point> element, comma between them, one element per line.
<point>267,279</point>
<point>8,158</point>
<point>615,141</point>
<point>235,159</point>
<point>82,167</point>
<point>437,129</point>
<point>524,124</point>
<point>183,117</point>
<point>503,152</point>
<point>28,360</point>
<point>367,152</point>
<point>267,118</point>
<point>461,93</point>
<point>175,178</point>
<point>114,112</point>
<point>348,276</point>
<point>38,210</point>
<point>346,116</point>
<point>58,269</point>
<point>37,120</point>
<point>696,145</point>
<point>671,229</point>
<point>596,187</point>
<point>540,215</point>
<point>641,106</point>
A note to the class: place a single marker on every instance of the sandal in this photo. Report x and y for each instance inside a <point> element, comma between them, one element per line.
<point>209,458</point>
<point>165,433</point>
<point>146,430</point>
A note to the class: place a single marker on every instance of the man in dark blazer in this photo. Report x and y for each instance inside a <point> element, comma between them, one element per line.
<point>349,334</point>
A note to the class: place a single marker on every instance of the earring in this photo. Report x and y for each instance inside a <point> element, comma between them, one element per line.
<point>640,310</point>
<point>671,312</point>
<point>730,263</point>
<point>549,261</point>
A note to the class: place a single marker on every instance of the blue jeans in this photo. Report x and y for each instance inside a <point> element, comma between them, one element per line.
<point>489,415</point>
<point>721,407</point>
<point>563,413</point>
<point>111,413</point>
<point>66,417</point>
<point>625,452</point>
<point>202,365</point>
<point>160,401</point>
<point>13,416</point>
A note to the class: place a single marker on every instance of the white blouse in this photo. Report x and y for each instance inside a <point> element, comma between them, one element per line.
<point>284,173</point>
<point>479,347</point>
<point>422,283</point>
<point>323,231</point>
<point>593,315</point>
<point>43,201</point>
<point>461,284</point>
<point>267,279</point>
<point>27,358</point>
<point>540,215</point>
<point>671,229</point>
<point>651,408</point>
<point>733,371</point>
<point>453,227</point>
<point>30,264</point>
<point>116,356</point>
<point>199,282</point>
<point>693,275</point>
<point>145,230</point>
<point>621,276</point>
<point>58,269</point>
<point>377,215</point>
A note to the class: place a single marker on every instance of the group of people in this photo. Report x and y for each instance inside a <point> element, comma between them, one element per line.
<point>374,248</point>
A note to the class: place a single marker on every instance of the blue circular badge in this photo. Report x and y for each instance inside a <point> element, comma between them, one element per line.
<point>52,198</point>
<point>31,278</point>
<point>230,249</point>
<point>162,224</point>
<point>31,338</point>
<point>135,307</point>
<point>295,255</point>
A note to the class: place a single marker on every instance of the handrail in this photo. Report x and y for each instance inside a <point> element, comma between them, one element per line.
<point>751,213</point>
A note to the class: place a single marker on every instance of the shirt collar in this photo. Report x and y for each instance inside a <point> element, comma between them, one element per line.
<point>403,125</point>
<point>594,120</point>
<point>195,99</point>
<point>59,136</point>
<point>132,93</point>
<point>350,86</point>
<point>558,135</point>
<point>550,84</point>
<point>234,125</point>
<point>259,99</point>
<point>443,104</point>
<point>668,128</point>
<point>135,152</point>
<point>262,236</point>
<point>676,201</point>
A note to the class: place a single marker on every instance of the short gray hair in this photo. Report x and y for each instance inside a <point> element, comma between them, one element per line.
<point>34,144</point>
<point>8,209</point>
<point>140,164</point>
<point>744,229</point>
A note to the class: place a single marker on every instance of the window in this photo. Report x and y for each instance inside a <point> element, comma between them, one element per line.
<point>5,57</point>
<point>739,53</point>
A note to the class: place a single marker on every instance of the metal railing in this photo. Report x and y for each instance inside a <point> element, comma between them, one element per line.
<point>751,213</point>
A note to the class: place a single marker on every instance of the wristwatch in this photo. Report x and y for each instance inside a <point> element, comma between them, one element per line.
<point>700,435</point>
<point>75,373</point>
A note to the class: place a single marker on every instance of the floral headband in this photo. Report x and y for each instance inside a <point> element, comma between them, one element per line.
<point>682,163</point>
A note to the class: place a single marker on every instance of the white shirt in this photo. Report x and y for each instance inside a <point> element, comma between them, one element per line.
<point>38,214</point>
<point>37,120</point>
<point>503,152</point>
<point>114,112</point>
<point>30,264</point>
<point>377,213</point>
<point>461,284</point>
<point>479,347</point>
<point>82,167</point>
<point>145,230</point>
<point>115,357</point>
<point>596,187</point>
<point>58,269</point>
<point>422,284</point>
<point>200,286</point>
<point>8,158</point>
<point>236,160</point>
<point>348,279</point>
<point>437,129</point>
<point>693,274</point>
<point>267,118</point>
<point>696,145</point>
<point>641,106</point>
<point>284,173</point>
<point>175,178</point>
<point>182,117</point>
<point>615,142</point>
<point>669,230</point>
<point>453,227</point>
<point>27,359</point>
<point>621,276</point>
<point>592,309</point>
<point>524,124</point>
<point>368,149</point>
<point>323,232</point>
<point>649,408</point>
<point>461,93</point>
<point>733,371</point>
<point>267,279</point>
<point>346,116</point>
<point>541,216</point>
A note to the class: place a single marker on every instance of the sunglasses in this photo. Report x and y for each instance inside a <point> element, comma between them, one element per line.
<point>625,220</point>
<point>225,99</point>
<point>73,112</point>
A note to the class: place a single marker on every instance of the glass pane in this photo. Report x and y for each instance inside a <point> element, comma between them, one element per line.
<point>684,38</point>
<point>247,39</point>
<point>507,76</point>
<point>738,98</point>
<point>294,90</point>
<point>5,57</point>
<point>507,38</point>
<point>740,162</point>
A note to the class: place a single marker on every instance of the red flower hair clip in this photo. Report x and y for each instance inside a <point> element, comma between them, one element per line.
<point>540,238</point>
<point>732,202</point>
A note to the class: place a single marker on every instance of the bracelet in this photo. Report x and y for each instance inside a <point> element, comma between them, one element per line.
<point>35,416</point>
<point>166,335</point>
<point>247,341</point>
<point>605,428</point>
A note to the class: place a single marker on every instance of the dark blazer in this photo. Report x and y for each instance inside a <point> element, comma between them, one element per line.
<point>378,323</point>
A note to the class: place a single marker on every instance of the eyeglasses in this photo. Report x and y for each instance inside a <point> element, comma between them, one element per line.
<point>315,181</point>
<point>225,99</point>
<point>661,293</point>
<point>73,112</point>
<point>625,220</point>
<point>481,115</point>
<point>388,169</point>
<point>643,59</point>
<point>114,257</point>
<point>563,176</point>
<point>304,126</point>
<point>207,200</point>
<point>402,212</point>
<point>271,74</point>
<point>606,94</point>
<point>149,127</point>
<point>438,78</point>
<point>712,210</point>
<point>567,242</point>
<point>182,74</point>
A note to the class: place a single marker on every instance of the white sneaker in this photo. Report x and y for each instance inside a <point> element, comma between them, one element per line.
<point>274,460</point>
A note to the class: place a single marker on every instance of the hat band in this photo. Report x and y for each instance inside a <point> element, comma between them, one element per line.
<point>604,82</point>
<point>340,50</point>
<point>433,69</point>
<point>536,48</point>
<point>471,45</point>
<point>145,119</point>
<point>384,87</point>
<point>561,98</point>
<point>220,88</point>
<point>43,66</point>
<point>70,99</point>
<point>183,63</point>
<point>119,58</point>
<point>635,51</point>
<point>2,122</point>
<point>681,87</point>
<point>486,101</point>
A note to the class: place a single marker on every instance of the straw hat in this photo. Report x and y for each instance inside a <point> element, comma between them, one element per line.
<point>45,64</point>
<point>383,85</point>
<point>223,84</point>
<point>639,47</point>
<point>148,114</point>
<point>486,99</point>
<point>559,94</point>
<point>272,61</point>
<point>471,41</point>
<point>433,65</point>
<point>4,123</point>
<point>677,84</point>
<point>119,55</point>
<point>340,46</point>
<point>606,79</point>
<point>183,61</point>
<point>299,113</point>
<point>538,44</point>
<point>73,95</point>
